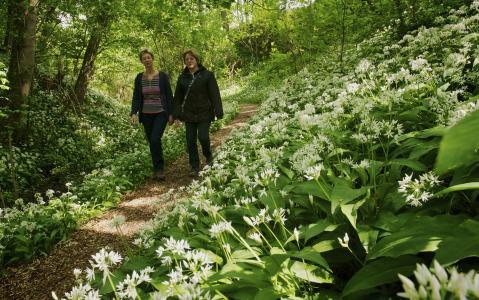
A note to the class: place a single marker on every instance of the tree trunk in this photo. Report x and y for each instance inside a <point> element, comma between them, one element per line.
<point>7,41</point>
<point>399,13</point>
<point>224,20</point>
<point>87,69</point>
<point>343,34</point>
<point>24,18</point>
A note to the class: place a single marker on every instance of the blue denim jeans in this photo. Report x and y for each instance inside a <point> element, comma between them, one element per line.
<point>154,125</point>
<point>200,131</point>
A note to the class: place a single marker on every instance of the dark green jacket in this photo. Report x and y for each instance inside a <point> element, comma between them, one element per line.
<point>203,102</point>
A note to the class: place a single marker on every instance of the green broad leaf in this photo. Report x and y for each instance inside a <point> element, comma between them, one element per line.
<point>459,145</point>
<point>137,263</point>
<point>266,294</point>
<point>327,245</point>
<point>314,188</point>
<point>22,249</point>
<point>245,253</point>
<point>247,292</point>
<point>311,255</point>
<point>246,273</point>
<point>379,272</point>
<point>390,222</point>
<point>315,229</point>
<point>418,234</point>
<point>22,238</point>
<point>286,171</point>
<point>213,257</point>
<point>431,132</point>
<point>368,237</point>
<point>410,163</point>
<point>174,232</point>
<point>351,211</point>
<point>459,187</point>
<point>453,249</point>
<point>117,277</point>
<point>309,272</point>
<point>374,168</point>
<point>413,114</point>
<point>274,263</point>
<point>277,250</point>
<point>462,245</point>
<point>272,199</point>
<point>343,193</point>
<point>423,149</point>
<point>392,247</point>
<point>409,225</point>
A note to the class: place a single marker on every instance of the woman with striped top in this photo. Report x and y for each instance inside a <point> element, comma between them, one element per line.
<point>152,106</point>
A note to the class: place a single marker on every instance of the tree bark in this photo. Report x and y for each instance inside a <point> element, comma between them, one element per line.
<point>24,19</point>
<point>399,13</point>
<point>88,65</point>
<point>343,35</point>
<point>7,41</point>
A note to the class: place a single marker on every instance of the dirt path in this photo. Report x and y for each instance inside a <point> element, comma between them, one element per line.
<point>55,272</point>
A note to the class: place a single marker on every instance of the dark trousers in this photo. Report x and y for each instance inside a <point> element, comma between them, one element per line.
<point>154,125</point>
<point>200,131</point>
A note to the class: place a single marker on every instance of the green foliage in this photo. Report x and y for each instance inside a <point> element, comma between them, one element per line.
<point>329,192</point>
<point>458,147</point>
<point>101,155</point>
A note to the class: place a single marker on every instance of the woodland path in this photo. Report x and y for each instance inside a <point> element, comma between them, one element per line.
<point>36,280</point>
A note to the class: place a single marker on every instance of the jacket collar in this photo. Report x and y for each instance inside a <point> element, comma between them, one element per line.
<point>186,71</point>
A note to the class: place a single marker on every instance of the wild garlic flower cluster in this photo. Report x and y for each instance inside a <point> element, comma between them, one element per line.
<point>263,217</point>
<point>80,292</point>
<point>103,261</point>
<point>266,177</point>
<point>372,130</point>
<point>420,190</point>
<point>308,159</point>
<point>187,267</point>
<point>363,164</point>
<point>436,283</point>
<point>127,289</point>
<point>270,156</point>
<point>461,111</point>
<point>218,228</point>
<point>274,125</point>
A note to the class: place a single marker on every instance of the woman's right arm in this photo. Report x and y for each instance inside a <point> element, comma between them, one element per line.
<point>178,99</point>
<point>135,102</point>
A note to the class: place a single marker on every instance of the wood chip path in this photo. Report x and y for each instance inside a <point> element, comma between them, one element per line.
<point>36,280</point>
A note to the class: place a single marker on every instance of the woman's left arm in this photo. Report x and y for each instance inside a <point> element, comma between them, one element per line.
<point>169,98</point>
<point>215,97</point>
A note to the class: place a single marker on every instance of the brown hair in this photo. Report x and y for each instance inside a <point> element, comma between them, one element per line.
<point>145,51</point>
<point>193,53</point>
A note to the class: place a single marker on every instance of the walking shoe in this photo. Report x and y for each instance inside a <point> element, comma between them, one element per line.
<point>209,160</point>
<point>159,175</point>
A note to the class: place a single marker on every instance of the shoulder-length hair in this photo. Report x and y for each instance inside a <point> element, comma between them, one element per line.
<point>193,53</point>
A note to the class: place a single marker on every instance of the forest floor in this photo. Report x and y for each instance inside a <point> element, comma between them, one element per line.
<point>36,280</point>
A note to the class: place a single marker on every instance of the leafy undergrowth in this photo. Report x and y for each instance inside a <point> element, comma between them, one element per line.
<point>123,162</point>
<point>338,185</point>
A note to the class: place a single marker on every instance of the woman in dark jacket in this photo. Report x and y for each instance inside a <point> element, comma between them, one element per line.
<point>197,103</point>
<point>152,106</point>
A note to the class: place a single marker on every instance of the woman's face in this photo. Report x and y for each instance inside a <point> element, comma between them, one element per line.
<point>147,60</point>
<point>190,61</point>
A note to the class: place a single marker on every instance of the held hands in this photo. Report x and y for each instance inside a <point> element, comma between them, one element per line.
<point>134,119</point>
<point>170,120</point>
